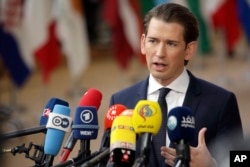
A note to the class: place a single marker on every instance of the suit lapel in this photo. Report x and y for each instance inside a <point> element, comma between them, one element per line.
<point>192,99</point>
<point>142,90</point>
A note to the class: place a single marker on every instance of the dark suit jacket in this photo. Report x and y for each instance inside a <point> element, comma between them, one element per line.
<point>213,107</point>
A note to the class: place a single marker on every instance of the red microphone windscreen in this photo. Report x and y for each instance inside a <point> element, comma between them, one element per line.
<point>92,97</point>
<point>112,113</point>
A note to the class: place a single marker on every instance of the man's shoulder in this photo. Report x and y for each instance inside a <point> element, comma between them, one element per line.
<point>213,87</point>
<point>206,85</point>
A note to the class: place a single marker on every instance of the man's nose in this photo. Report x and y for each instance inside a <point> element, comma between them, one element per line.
<point>161,49</point>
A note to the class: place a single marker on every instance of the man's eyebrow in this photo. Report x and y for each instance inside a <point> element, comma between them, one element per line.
<point>151,37</point>
<point>173,41</point>
<point>168,40</point>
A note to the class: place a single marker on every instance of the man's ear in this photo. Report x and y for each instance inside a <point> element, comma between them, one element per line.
<point>143,39</point>
<point>190,50</point>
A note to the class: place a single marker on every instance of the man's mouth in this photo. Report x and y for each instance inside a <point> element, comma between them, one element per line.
<point>159,64</point>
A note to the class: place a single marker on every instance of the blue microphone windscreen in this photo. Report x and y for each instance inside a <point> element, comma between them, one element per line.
<point>85,124</point>
<point>49,108</point>
<point>181,124</point>
<point>59,122</point>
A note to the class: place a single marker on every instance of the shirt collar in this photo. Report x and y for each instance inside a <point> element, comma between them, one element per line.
<point>180,84</point>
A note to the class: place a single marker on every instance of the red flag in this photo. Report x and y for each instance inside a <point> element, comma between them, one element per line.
<point>72,33</point>
<point>226,18</point>
<point>124,20</point>
<point>40,23</point>
<point>48,55</point>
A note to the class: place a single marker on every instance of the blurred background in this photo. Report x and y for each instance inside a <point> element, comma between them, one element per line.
<point>61,48</point>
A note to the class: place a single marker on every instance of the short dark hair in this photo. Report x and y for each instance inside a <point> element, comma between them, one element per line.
<point>172,12</point>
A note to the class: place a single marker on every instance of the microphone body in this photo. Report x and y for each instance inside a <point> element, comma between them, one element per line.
<point>91,98</point>
<point>122,141</point>
<point>58,123</point>
<point>85,128</point>
<point>147,118</point>
<point>181,130</point>
<point>111,114</point>
<point>44,120</point>
<point>49,108</point>
<point>85,125</point>
<point>69,145</point>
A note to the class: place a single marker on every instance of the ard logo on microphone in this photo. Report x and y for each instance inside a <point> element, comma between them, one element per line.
<point>239,158</point>
<point>86,116</point>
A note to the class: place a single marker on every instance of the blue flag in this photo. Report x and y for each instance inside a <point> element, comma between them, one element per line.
<point>244,14</point>
<point>12,58</point>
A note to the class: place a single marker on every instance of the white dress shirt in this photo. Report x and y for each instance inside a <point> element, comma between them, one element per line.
<point>175,97</point>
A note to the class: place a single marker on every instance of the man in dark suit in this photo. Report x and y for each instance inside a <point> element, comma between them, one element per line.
<point>169,41</point>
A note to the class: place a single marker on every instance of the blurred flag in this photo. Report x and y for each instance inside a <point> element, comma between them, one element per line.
<point>204,41</point>
<point>158,2</point>
<point>195,7</point>
<point>125,22</point>
<point>11,37</point>
<point>40,26</point>
<point>224,17</point>
<point>72,33</point>
<point>244,15</point>
<point>147,5</point>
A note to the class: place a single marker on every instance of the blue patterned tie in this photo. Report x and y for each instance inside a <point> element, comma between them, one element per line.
<point>160,138</point>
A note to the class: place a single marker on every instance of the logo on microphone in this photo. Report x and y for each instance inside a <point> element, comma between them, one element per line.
<point>112,113</point>
<point>86,116</point>
<point>146,111</point>
<point>188,122</point>
<point>59,121</point>
<point>46,112</point>
<point>172,122</point>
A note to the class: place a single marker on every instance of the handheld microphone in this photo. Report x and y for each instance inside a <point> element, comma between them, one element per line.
<point>85,127</point>
<point>181,130</point>
<point>49,108</point>
<point>122,141</point>
<point>113,111</point>
<point>91,98</point>
<point>58,123</point>
<point>111,114</point>
<point>147,119</point>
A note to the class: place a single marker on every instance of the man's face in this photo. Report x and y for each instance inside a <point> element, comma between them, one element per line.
<point>165,50</point>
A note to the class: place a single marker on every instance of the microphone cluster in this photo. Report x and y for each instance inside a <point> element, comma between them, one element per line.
<point>123,127</point>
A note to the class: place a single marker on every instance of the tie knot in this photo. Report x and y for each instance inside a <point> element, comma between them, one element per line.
<point>163,92</point>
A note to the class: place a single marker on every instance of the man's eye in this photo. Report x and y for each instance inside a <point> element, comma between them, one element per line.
<point>151,41</point>
<point>172,44</point>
